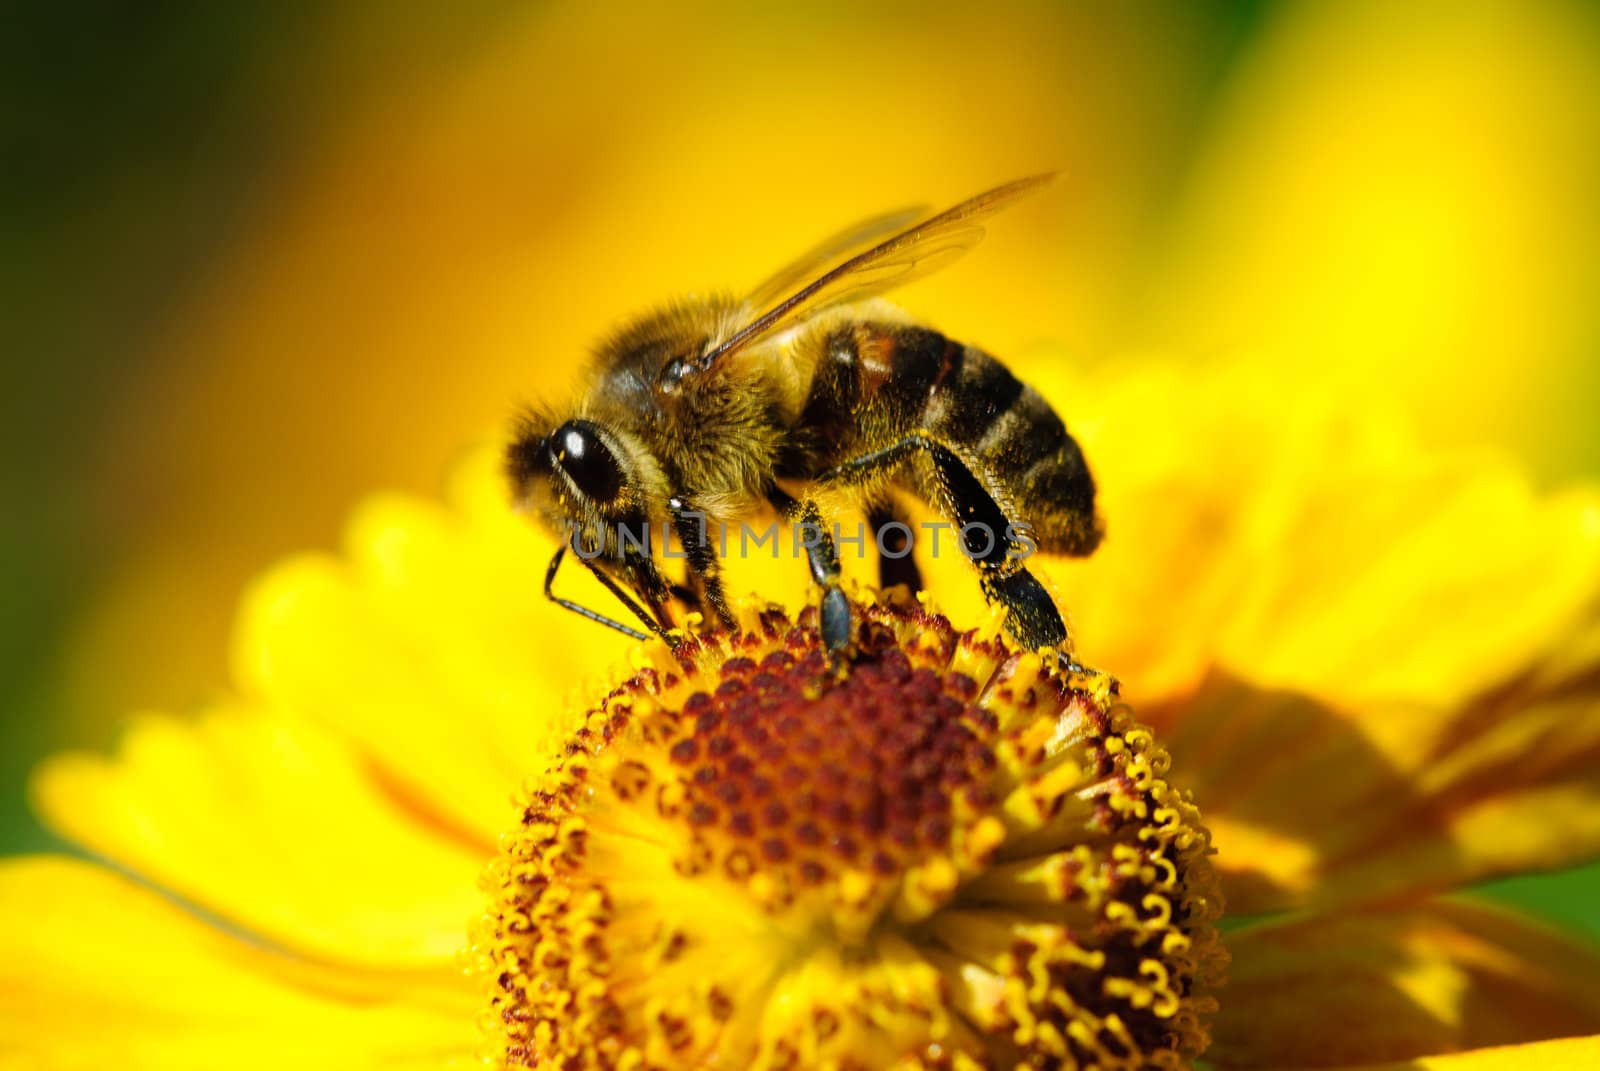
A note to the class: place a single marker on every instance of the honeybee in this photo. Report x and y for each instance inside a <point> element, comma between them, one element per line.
<point>715,410</point>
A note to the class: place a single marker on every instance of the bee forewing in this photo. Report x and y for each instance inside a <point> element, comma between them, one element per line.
<point>909,254</point>
<point>832,252</point>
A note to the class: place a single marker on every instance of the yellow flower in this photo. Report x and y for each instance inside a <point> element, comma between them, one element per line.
<point>1377,671</point>
<point>950,857</point>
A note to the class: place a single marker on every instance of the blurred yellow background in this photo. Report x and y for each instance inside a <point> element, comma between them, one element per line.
<point>260,261</point>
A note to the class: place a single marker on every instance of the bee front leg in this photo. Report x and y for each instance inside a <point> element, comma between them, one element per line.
<point>689,525</point>
<point>640,573</point>
<point>823,558</point>
<point>594,615</point>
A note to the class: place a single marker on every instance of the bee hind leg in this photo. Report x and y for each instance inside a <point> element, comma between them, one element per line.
<point>988,537</point>
<point>1032,617</point>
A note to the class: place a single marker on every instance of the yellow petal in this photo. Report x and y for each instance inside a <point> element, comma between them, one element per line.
<point>100,972</point>
<point>1311,804</point>
<point>1567,1054</point>
<point>1508,783</point>
<point>273,824</point>
<point>1450,976</point>
<point>433,647</point>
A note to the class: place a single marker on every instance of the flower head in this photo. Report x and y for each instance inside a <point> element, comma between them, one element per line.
<point>947,856</point>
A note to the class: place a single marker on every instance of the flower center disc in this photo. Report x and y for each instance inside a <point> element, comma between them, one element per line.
<point>951,856</point>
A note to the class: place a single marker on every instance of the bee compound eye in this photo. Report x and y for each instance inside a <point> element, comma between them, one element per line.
<point>587,461</point>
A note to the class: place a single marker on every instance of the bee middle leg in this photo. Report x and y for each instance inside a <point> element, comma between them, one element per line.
<point>823,557</point>
<point>986,534</point>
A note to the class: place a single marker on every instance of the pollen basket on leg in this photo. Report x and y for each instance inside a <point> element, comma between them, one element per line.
<point>950,856</point>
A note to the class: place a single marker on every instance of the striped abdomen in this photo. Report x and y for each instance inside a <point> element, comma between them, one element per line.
<point>877,383</point>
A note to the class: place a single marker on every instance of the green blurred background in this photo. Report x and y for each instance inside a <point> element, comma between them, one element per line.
<point>258,260</point>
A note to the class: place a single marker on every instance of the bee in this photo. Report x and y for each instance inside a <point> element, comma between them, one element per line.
<point>716,410</point>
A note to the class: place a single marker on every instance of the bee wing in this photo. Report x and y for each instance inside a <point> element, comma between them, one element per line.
<point>912,253</point>
<point>830,253</point>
